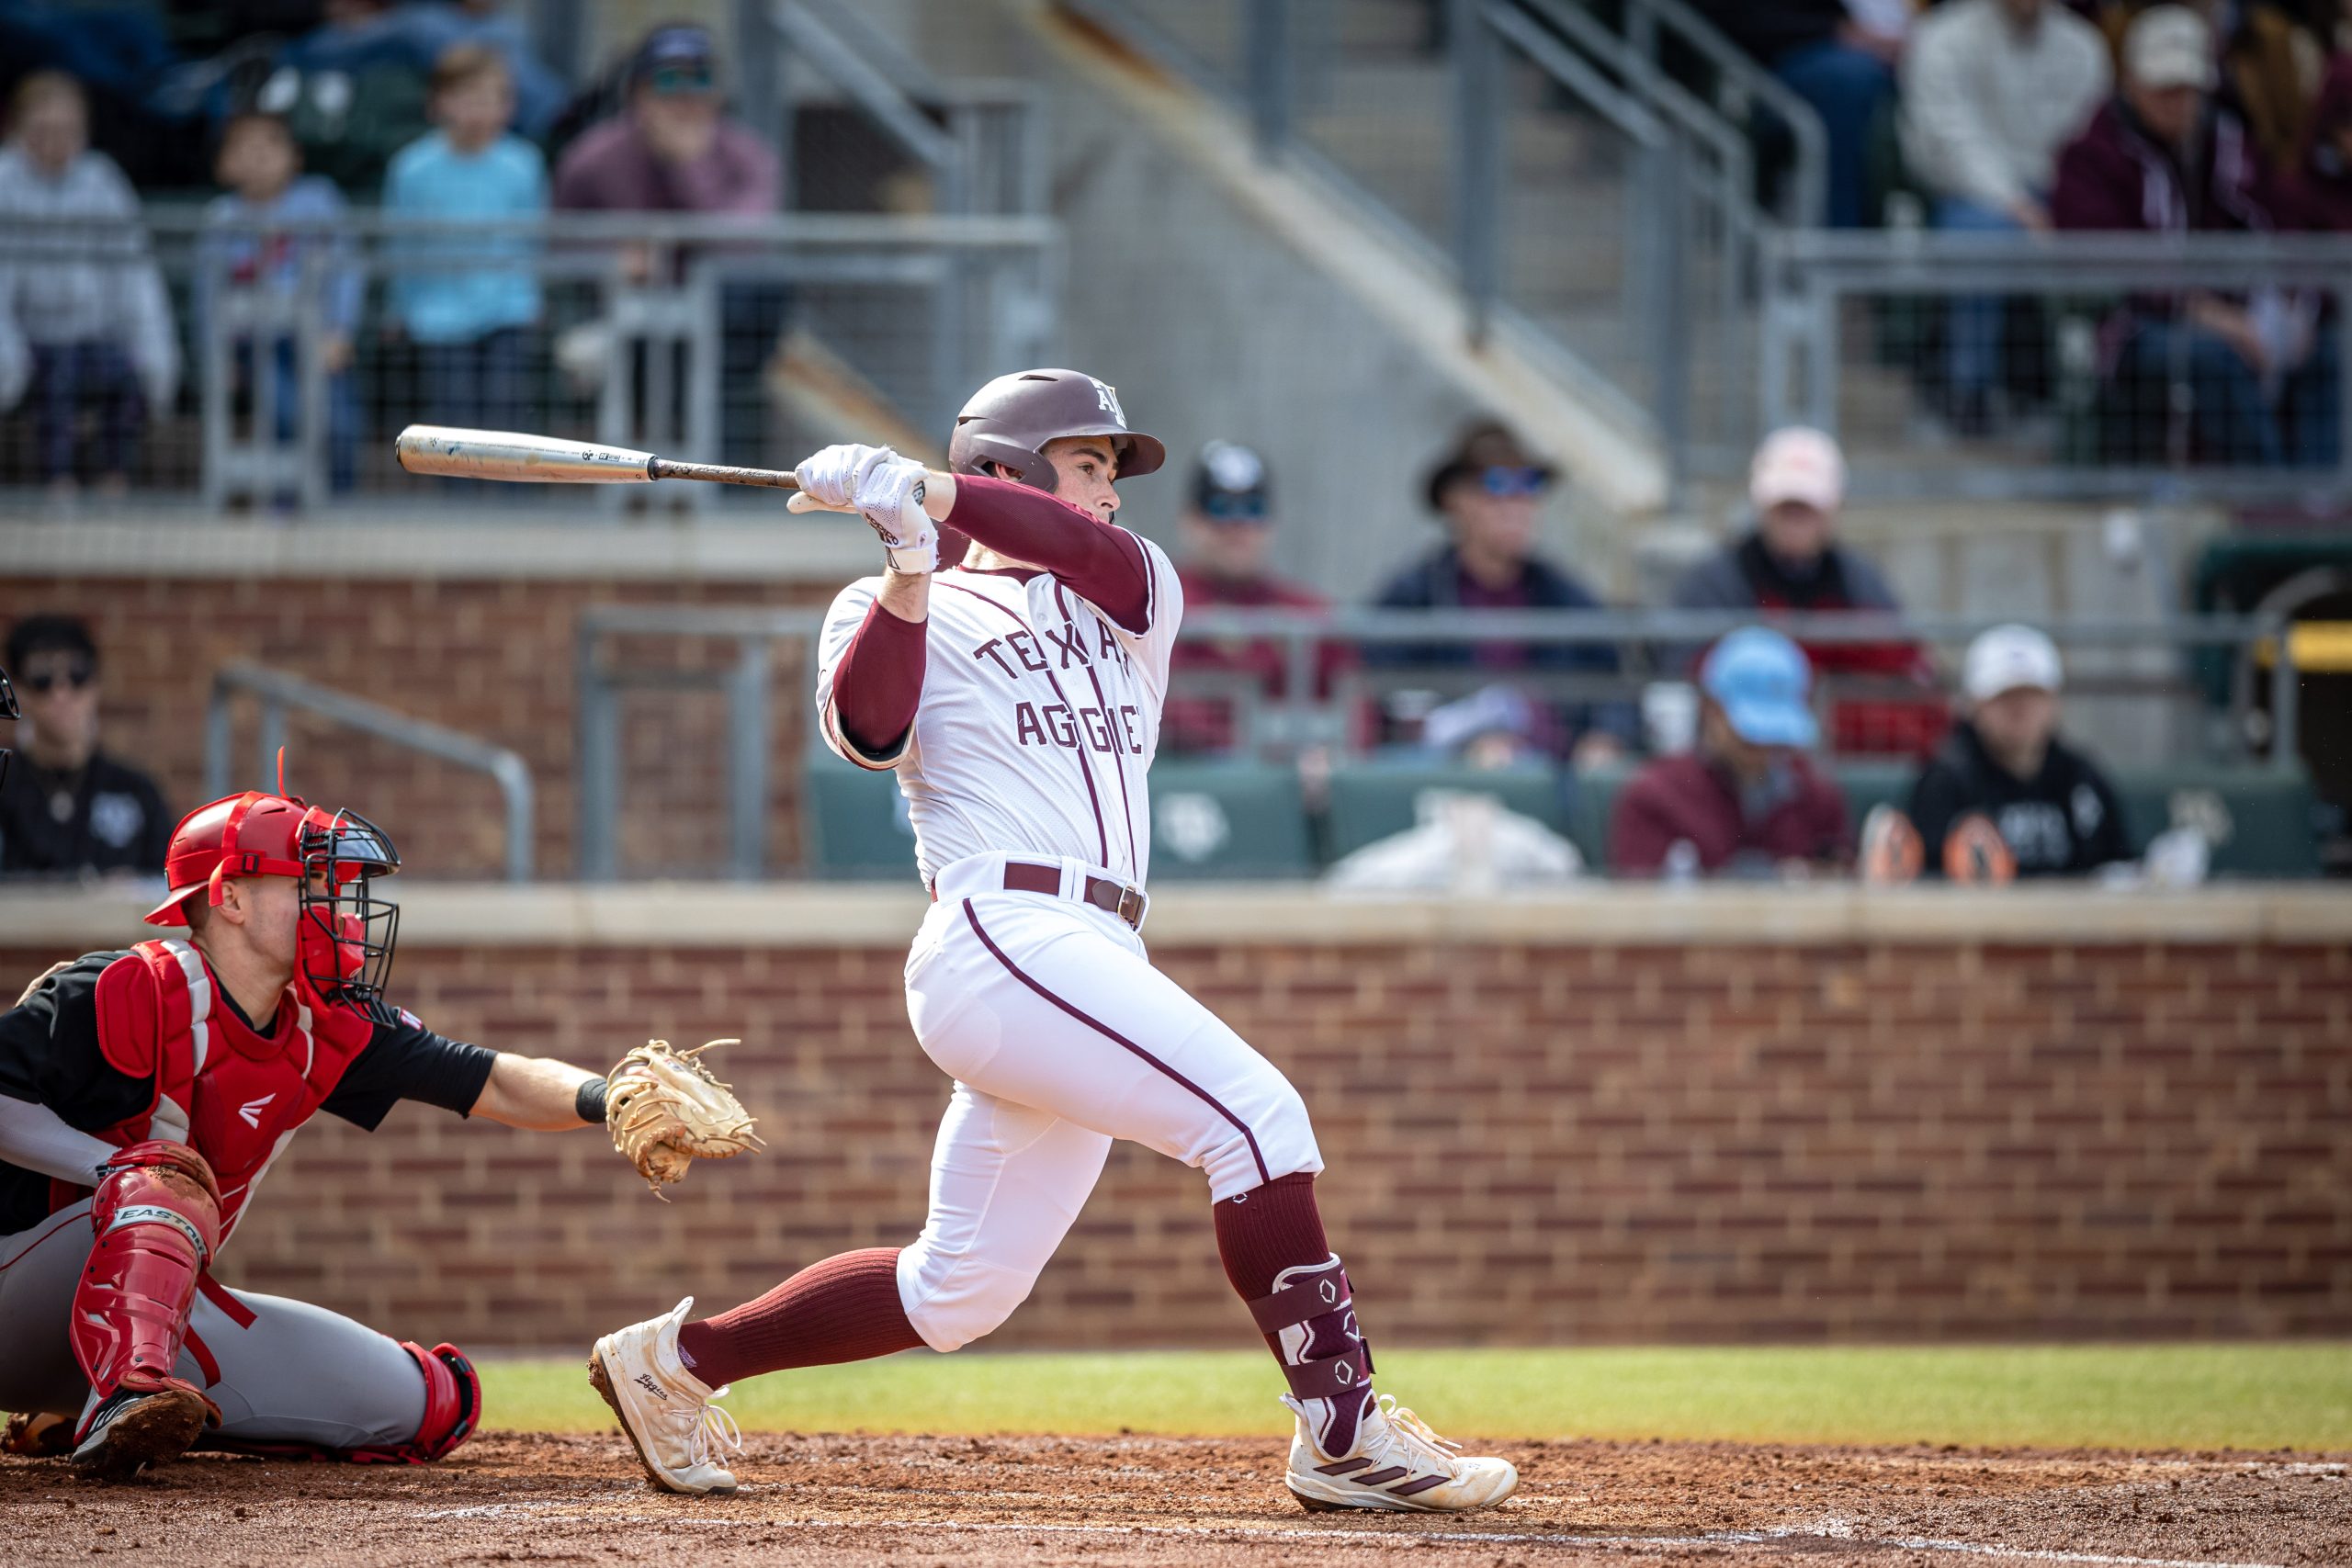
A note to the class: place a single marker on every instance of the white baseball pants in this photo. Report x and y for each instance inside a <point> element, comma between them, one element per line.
<point>1061,1036</point>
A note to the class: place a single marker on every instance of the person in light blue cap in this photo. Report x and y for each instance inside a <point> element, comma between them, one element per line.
<point>1748,800</point>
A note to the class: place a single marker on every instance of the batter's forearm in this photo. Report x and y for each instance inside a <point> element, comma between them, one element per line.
<point>536,1092</point>
<point>877,686</point>
<point>1101,564</point>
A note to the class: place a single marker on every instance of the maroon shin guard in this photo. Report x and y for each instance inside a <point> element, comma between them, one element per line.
<point>1273,1236</point>
<point>845,1308</point>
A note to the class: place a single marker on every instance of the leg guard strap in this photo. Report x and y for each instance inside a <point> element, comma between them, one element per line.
<point>1305,1297</point>
<point>156,1227</point>
<point>1346,1373</point>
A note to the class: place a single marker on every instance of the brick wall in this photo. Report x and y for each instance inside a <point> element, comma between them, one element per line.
<point>491,657</point>
<point>1534,1142</point>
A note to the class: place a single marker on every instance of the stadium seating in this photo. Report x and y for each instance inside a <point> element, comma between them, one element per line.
<point>1231,819</point>
<point>2265,824</point>
<point>1373,799</point>
<point>856,822</point>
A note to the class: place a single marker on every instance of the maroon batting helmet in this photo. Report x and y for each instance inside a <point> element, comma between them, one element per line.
<point>1010,420</point>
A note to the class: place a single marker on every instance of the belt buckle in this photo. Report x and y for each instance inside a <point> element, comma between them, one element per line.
<point>1130,908</point>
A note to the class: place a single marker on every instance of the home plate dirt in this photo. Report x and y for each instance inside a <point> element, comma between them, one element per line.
<point>514,1498</point>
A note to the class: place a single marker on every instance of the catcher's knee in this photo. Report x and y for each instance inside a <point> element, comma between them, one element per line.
<point>954,1299</point>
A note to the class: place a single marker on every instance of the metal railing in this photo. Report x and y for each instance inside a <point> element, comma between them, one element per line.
<point>747,340</point>
<point>2098,382</point>
<point>1651,645</point>
<point>276,692</point>
<point>1551,166</point>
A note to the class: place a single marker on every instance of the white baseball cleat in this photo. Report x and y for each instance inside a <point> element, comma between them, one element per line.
<point>1397,1463</point>
<point>665,1410</point>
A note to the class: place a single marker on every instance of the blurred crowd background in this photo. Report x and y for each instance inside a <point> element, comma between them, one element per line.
<point>1668,439</point>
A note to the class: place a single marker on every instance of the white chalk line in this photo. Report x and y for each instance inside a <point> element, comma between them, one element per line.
<point>1774,1536</point>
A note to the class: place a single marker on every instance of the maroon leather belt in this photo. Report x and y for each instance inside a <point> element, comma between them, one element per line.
<point>1112,897</point>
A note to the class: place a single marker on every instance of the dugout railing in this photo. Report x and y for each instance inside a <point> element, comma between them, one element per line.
<point>760,664</point>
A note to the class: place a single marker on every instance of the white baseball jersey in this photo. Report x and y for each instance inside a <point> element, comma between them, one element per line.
<point>1039,718</point>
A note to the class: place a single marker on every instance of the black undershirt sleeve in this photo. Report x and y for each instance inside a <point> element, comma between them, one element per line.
<point>48,1051</point>
<point>408,1060</point>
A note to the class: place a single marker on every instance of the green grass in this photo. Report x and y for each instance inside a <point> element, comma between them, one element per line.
<point>2249,1396</point>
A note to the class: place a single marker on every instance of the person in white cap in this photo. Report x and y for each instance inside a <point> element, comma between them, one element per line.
<point>2051,806</point>
<point>1791,560</point>
<point>2164,158</point>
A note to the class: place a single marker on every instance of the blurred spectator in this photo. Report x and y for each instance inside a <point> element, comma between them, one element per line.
<point>539,92</point>
<point>2161,159</point>
<point>2314,192</point>
<point>2051,805</point>
<point>1489,490</point>
<point>1747,802</point>
<point>1493,727</point>
<point>2275,60</point>
<point>1228,528</point>
<point>1836,57</point>
<point>355,90</point>
<point>276,231</point>
<point>672,150</point>
<point>468,318</point>
<point>65,806</point>
<point>1992,89</point>
<point>88,332</point>
<point>1791,560</point>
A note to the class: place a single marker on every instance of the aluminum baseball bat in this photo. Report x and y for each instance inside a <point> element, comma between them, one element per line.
<point>521,458</point>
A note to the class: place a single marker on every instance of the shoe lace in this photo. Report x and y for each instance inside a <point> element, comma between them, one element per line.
<point>1416,1434</point>
<point>715,1433</point>
<point>706,1431</point>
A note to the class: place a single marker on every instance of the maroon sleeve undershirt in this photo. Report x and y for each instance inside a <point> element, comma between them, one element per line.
<point>878,683</point>
<point>1101,564</point>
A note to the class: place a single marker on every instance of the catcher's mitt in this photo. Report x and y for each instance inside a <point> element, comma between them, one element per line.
<point>666,1110</point>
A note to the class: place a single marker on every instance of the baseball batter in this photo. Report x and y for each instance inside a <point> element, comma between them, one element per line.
<point>1018,697</point>
<point>144,1094</point>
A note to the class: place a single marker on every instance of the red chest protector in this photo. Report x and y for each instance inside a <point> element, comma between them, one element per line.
<point>235,1096</point>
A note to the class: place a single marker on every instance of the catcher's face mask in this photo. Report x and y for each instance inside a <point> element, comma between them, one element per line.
<point>348,932</point>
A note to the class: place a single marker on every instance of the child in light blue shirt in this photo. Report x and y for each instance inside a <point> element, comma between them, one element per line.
<point>468,315</point>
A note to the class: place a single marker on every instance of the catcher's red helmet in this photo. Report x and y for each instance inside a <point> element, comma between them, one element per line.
<point>346,934</point>
<point>1010,420</point>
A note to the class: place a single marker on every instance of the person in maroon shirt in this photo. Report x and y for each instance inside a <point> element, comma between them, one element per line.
<point>1748,801</point>
<point>1228,528</point>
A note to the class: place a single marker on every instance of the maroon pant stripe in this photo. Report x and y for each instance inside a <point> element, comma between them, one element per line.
<point>1104,1029</point>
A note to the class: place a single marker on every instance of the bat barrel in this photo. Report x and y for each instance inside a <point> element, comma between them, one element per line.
<point>517,458</point>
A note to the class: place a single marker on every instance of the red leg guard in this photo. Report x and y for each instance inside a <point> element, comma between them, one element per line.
<point>158,1221</point>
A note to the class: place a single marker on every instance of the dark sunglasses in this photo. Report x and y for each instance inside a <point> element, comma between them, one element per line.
<point>1507,484</point>
<point>680,79</point>
<point>1246,509</point>
<point>73,677</point>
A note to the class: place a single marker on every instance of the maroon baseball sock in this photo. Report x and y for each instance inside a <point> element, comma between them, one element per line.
<point>845,1308</point>
<point>1273,1233</point>
<point>1267,1230</point>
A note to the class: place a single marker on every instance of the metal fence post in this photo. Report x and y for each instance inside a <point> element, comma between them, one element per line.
<point>747,761</point>
<point>2286,697</point>
<point>1479,155</point>
<point>1670,306</point>
<point>1270,77</point>
<point>217,741</point>
<point>270,741</point>
<point>598,764</point>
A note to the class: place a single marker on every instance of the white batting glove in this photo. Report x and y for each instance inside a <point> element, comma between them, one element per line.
<point>831,476</point>
<point>890,499</point>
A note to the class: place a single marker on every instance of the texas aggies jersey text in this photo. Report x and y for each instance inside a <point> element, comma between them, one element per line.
<point>1039,718</point>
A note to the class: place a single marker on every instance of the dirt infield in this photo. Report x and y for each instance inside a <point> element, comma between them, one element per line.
<point>519,1498</point>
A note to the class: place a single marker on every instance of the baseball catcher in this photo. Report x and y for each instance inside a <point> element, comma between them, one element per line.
<point>144,1094</point>
<point>1017,696</point>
